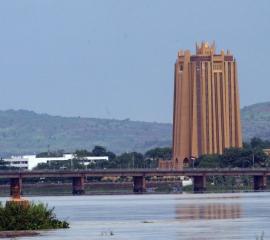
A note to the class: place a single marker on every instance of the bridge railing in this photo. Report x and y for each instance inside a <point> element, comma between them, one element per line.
<point>137,170</point>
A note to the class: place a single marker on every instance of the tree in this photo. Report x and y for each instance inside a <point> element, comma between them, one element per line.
<point>58,153</point>
<point>208,161</point>
<point>235,157</point>
<point>256,142</point>
<point>99,151</point>
<point>110,155</point>
<point>159,153</point>
<point>82,153</point>
<point>259,143</point>
<point>66,164</point>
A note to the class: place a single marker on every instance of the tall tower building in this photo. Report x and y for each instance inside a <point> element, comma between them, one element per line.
<point>206,116</point>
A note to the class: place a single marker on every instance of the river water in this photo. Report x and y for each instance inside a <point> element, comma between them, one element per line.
<point>169,217</point>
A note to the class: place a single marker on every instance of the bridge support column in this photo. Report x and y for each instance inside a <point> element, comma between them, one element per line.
<point>15,187</point>
<point>139,185</point>
<point>78,186</point>
<point>260,183</point>
<point>199,184</point>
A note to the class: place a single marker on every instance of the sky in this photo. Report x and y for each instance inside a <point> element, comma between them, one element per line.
<point>115,58</point>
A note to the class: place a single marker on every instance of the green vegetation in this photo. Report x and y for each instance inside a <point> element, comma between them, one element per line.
<point>20,216</point>
<point>251,155</point>
<point>58,153</point>
<point>159,153</point>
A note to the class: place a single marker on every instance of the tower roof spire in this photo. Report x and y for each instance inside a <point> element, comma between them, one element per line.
<point>205,48</point>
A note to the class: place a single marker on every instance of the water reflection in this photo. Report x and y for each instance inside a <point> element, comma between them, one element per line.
<point>208,211</point>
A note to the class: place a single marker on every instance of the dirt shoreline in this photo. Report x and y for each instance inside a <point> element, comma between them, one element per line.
<point>13,234</point>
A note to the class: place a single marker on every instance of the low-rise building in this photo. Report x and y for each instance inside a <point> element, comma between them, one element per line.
<point>31,161</point>
<point>267,151</point>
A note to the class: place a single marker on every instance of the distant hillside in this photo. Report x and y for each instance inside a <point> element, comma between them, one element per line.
<point>256,121</point>
<point>28,132</point>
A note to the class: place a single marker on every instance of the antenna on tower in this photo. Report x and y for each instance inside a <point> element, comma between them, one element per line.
<point>213,46</point>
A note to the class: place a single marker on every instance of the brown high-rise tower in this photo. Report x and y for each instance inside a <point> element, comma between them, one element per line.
<point>206,104</point>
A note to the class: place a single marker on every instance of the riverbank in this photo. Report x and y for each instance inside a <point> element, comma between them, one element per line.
<point>14,234</point>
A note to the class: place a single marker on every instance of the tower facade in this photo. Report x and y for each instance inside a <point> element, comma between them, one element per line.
<point>206,117</point>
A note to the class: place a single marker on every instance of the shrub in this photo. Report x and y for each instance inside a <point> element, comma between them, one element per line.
<point>30,216</point>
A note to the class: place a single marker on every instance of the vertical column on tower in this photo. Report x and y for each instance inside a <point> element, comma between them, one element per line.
<point>232,97</point>
<point>238,137</point>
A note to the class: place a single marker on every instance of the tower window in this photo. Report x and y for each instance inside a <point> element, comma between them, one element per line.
<point>181,67</point>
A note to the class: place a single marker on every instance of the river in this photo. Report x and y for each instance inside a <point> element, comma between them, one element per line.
<point>167,217</point>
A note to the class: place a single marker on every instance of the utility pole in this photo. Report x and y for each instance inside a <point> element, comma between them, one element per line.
<point>71,163</point>
<point>48,150</point>
<point>193,159</point>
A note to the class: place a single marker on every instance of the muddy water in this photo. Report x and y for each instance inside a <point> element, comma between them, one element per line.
<point>182,216</point>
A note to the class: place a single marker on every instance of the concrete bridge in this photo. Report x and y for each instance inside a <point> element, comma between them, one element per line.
<point>78,176</point>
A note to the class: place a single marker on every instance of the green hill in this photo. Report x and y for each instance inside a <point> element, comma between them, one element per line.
<point>28,132</point>
<point>256,121</point>
<point>24,131</point>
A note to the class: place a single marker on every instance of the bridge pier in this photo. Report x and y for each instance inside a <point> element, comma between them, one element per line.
<point>199,184</point>
<point>15,187</point>
<point>139,185</point>
<point>78,186</point>
<point>260,183</point>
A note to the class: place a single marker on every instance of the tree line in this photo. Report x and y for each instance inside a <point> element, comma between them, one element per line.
<point>251,155</point>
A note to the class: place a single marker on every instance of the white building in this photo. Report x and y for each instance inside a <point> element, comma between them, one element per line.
<point>31,161</point>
